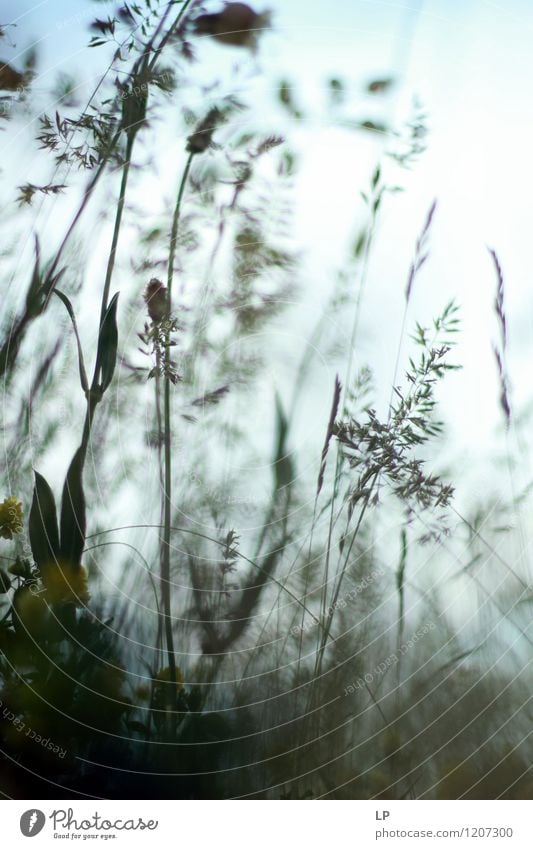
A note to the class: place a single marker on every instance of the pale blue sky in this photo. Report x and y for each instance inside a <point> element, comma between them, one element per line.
<point>471,65</point>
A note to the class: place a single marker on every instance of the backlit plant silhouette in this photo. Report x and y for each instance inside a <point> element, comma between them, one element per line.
<point>197,598</point>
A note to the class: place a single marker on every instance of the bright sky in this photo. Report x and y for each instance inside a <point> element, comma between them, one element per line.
<point>471,65</point>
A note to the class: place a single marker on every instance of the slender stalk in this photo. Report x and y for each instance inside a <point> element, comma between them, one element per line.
<point>326,617</point>
<point>118,222</point>
<point>93,396</point>
<point>175,224</point>
<point>10,349</point>
<point>139,63</point>
<point>79,212</point>
<point>160,439</point>
<point>169,33</point>
<point>347,381</point>
<point>167,492</point>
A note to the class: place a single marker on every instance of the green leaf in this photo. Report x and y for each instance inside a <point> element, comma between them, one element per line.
<point>81,364</point>
<point>44,537</point>
<point>108,343</point>
<point>359,244</point>
<point>32,297</point>
<point>20,568</point>
<point>5,582</point>
<point>73,511</point>
<point>283,465</point>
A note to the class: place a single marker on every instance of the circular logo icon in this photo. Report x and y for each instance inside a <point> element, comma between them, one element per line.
<point>32,822</point>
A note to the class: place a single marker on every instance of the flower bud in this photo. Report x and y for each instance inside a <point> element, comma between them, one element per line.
<point>201,138</point>
<point>155,297</point>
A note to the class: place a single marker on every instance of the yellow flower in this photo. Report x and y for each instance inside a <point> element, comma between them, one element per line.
<point>10,517</point>
<point>31,615</point>
<point>142,692</point>
<point>66,583</point>
<point>164,676</point>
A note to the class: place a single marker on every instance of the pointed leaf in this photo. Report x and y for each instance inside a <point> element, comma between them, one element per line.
<point>44,537</point>
<point>329,433</point>
<point>32,297</point>
<point>108,343</point>
<point>283,465</point>
<point>81,364</point>
<point>73,511</point>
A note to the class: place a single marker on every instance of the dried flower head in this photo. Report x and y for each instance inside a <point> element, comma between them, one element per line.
<point>237,25</point>
<point>156,299</point>
<point>202,137</point>
<point>10,79</point>
<point>10,517</point>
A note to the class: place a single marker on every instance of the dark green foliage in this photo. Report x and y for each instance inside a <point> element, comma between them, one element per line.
<point>83,374</point>
<point>73,522</point>
<point>43,530</point>
<point>108,343</point>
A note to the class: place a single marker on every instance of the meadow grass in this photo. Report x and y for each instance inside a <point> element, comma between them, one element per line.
<point>195,617</point>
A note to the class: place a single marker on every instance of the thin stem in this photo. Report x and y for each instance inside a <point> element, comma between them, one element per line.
<point>49,281</point>
<point>79,212</point>
<point>336,592</point>
<point>325,618</point>
<point>167,492</point>
<point>169,33</point>
<point>175,224</point>
<point>116,229</point>
<point>160,439</point>
<point>93,396</point>
<point>131,137</point>
<point>347,381</point>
